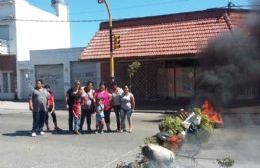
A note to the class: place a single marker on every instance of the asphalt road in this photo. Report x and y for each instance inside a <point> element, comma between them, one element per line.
<point>239,139</point>
<point>19,150</point>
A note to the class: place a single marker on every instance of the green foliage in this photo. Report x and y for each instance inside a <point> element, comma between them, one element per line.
<point>197,111</point>
<point>225,162</point>
<point>150,140</point>
<point>206,124</point>
<point>133,68</point>
<point>171,125</point>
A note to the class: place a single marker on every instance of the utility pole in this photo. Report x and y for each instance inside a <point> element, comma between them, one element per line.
<point>111,62</point>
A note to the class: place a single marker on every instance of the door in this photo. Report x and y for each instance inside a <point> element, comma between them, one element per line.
<point>52,75</point>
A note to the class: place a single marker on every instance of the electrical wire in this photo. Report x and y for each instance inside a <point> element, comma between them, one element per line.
<point>125,8</point>
<point>100,20</point>
<point>61,21</point>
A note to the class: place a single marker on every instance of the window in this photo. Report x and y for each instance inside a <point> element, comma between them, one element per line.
<point>4,32</point>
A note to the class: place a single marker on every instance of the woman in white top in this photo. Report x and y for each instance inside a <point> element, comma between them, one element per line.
<point>116,102</point>
<point>127,108</point>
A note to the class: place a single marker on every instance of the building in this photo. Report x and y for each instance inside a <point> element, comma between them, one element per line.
<point>7,76</point>
<point>166,46</point>
<point>60,73</point>
<point>24,27</point>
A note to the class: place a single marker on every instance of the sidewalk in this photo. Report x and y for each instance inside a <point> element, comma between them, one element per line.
<point>12,105</point>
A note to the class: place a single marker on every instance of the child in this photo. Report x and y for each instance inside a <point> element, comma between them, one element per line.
<point>51,110</point>
<point>100,121</point>
<point>76,110</point>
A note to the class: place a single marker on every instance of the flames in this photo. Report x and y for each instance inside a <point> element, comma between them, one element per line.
<point>214,116</point>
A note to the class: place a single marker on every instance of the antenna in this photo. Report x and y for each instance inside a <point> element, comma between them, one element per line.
<point>230,4</point>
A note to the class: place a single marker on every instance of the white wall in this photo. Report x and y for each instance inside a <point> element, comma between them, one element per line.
<point>64,57</point>
<point>32,35</point>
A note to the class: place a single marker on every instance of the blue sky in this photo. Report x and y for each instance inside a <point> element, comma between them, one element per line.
<point>82,32</point>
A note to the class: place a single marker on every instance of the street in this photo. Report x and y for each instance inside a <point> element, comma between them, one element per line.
<point>239,139</point>
<point>20,150</point>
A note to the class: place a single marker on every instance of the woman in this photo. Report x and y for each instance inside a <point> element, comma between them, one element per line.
<point>105,97</point>
<point>127,108</point>
<point>38,105</point>
<point>70,98</point>
<point>116,102</point>
<point>87,105</point>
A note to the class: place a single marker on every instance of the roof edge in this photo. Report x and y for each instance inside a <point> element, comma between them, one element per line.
<point>175,17</point>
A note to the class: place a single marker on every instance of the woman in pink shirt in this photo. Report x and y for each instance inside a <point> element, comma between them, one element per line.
<point>104,95</point>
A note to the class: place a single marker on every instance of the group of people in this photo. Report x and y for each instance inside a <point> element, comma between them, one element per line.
<point>82,102</point>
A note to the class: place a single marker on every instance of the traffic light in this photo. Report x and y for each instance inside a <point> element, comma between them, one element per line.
<point>116,41</point>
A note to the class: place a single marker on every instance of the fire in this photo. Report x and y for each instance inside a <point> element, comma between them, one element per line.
<point>214,117</point>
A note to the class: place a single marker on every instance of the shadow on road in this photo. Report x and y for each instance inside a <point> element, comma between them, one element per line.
<point>63,132</point>
<point>18,133</point>
<point>156,121</point>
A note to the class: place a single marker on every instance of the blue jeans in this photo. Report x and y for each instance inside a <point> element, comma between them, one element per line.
<point>76,123</point>
<point>123,114</point>
<point>117,112</point>
<point>38,120</point>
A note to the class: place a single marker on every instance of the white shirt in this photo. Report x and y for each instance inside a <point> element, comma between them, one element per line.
<point>126,101</point>
<point>116,96</point>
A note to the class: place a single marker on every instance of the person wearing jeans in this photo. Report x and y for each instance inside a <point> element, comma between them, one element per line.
<point>105,97</point>
<point>127,108</point>
<point>76,124</point>
<point>87,105</point>
<point>38,122</point>
<point>116,102</point>
<point>77,113</point>
<point>71,95</point>
<point>38,105</point>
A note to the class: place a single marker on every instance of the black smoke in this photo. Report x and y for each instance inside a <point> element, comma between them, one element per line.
<point>230,63</point>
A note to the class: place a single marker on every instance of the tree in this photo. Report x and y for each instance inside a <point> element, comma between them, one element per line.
<point>132,69</point>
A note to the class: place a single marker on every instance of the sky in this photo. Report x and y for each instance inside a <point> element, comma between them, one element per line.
<point>93,13</point>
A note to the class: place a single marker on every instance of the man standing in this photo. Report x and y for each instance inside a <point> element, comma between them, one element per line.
<point>38,105</point>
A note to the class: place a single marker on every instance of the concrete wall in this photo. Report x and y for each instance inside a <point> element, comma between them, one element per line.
<point>32,35</point>
<point>65,57</point>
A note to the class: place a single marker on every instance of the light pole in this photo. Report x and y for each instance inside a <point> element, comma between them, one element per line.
<point>111,62</point>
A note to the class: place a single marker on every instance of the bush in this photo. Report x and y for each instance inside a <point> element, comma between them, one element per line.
<point>205,124</point>
<point>171,125</point>
<point>150,140</point>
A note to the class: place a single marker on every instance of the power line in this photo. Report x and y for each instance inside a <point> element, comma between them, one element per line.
<point>95,20</point>
<point>246,6</point>
<point>125,8</point>
<point>54,21</point>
